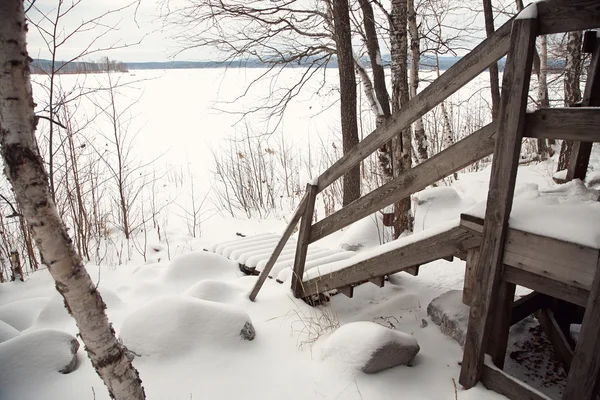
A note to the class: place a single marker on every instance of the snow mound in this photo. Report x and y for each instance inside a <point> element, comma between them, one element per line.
<point>285,274</point>
<point>370,347</point>
<point>217,291</point>
<point>190,268</point>
<point>21,314</point>
<point>54,312</point>
<point>438,204</point>
<point>568,212</point>
<point>33,355</point>
<point>175,325</point>
<point>366,233</point>
<point>7,332</point>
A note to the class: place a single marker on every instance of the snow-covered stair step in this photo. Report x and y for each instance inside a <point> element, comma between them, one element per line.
<point>217,247</point>
<point>263,251</point>
<point>228,250</point>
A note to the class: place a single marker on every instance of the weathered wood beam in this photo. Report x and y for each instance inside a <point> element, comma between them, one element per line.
<point>500,382</point>
<point>417,253</point>
<point>378,280</point>
<point>545,285</point>
<point>280,245</point>
<point>511,125</point>
<point>470,275</point>
<point>347,291</point>
<point>501,323</point>
<point>564,124</point>
<point>463,153</point>
<point>303,239</point>
<point>562,347</point>
<point>466,69</point>
<point>581,151</point>
<point>567,15</point>
<point>585,366</point>
<point>527,305</point>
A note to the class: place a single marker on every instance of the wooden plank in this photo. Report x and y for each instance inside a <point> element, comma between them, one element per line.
<point>581,151</point>
<point>527,305</point>
<point>470,275</point>
<point>562,347</point>
<point>463,153</point>
<point>378,280</point>
<point>466,69</point>
<point>585,366</point>
<point>414,271</point>
<point>569,263</point>
<point>347,291</point>
<point>511,124</point>
<point>546,285</point>
<point>303,236</point>
<point>567,15</point>
<point>561,261</point>
<point>417,253</point>
<point>280,245</point>
<point>564,124</point>
<point>500,382</point>
<point>501,323</point>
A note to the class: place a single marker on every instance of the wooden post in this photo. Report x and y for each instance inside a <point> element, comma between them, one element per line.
<point>580,154</point>
<point>303,240</point>
<point>501,323</point>
<point>470,275</point>
<point>585,365</point>
<point>284,238</point>
<point>511,123</point>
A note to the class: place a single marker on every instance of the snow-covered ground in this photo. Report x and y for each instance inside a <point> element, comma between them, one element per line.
<point>183,319</point>
<point>184,311</point>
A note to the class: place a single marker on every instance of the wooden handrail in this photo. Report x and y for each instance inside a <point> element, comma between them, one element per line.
<point>280,245</point>
<point>560,16</point>
<point>466,69</point>
<point>465,152</point>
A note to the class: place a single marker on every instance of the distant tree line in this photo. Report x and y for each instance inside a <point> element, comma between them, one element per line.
<point>41,66</point>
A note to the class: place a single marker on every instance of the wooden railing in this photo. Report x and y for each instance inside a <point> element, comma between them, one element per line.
<point>572,124</point>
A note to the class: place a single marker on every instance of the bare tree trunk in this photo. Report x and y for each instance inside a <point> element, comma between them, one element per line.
<point>381,93</point>
<point>25,171</point>
<point>343,41</point>
<point>543,100</point>
<point>494,80</point>
<point>402,157</point>
<point>415,61</point>
<point>572,89</point>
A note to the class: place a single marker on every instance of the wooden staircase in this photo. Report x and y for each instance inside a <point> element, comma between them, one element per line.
<point>490,283</point>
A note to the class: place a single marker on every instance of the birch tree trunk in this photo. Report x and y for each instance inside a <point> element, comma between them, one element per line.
<point>402,157</point>
<point>25,171</point>
<point>572,89</point>
<point>543,100</point>
<point>343,42</point>
<point>415,60</point>
<point>488,15</point>
<point>381,93</point>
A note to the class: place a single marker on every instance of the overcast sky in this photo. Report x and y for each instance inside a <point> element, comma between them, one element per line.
<point>139,27</point>
<point>138,22</point>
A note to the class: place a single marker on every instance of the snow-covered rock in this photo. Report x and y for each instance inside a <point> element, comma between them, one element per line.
<point>217,291</point>
<point>173,325</point>
<point>370,347</point>
<point>7,332</point>
<point>364,234</point>
<point>54,312</point>
<point>37,353</point>
<point>187,269</point>
<point>449,312</point>
<point>22,314</point>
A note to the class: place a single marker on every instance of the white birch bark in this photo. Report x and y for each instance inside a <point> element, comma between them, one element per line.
<point>24,169</point>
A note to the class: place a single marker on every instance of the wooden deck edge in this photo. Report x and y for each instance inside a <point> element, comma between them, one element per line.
<point>439,246</point>
<point>500,382</point>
